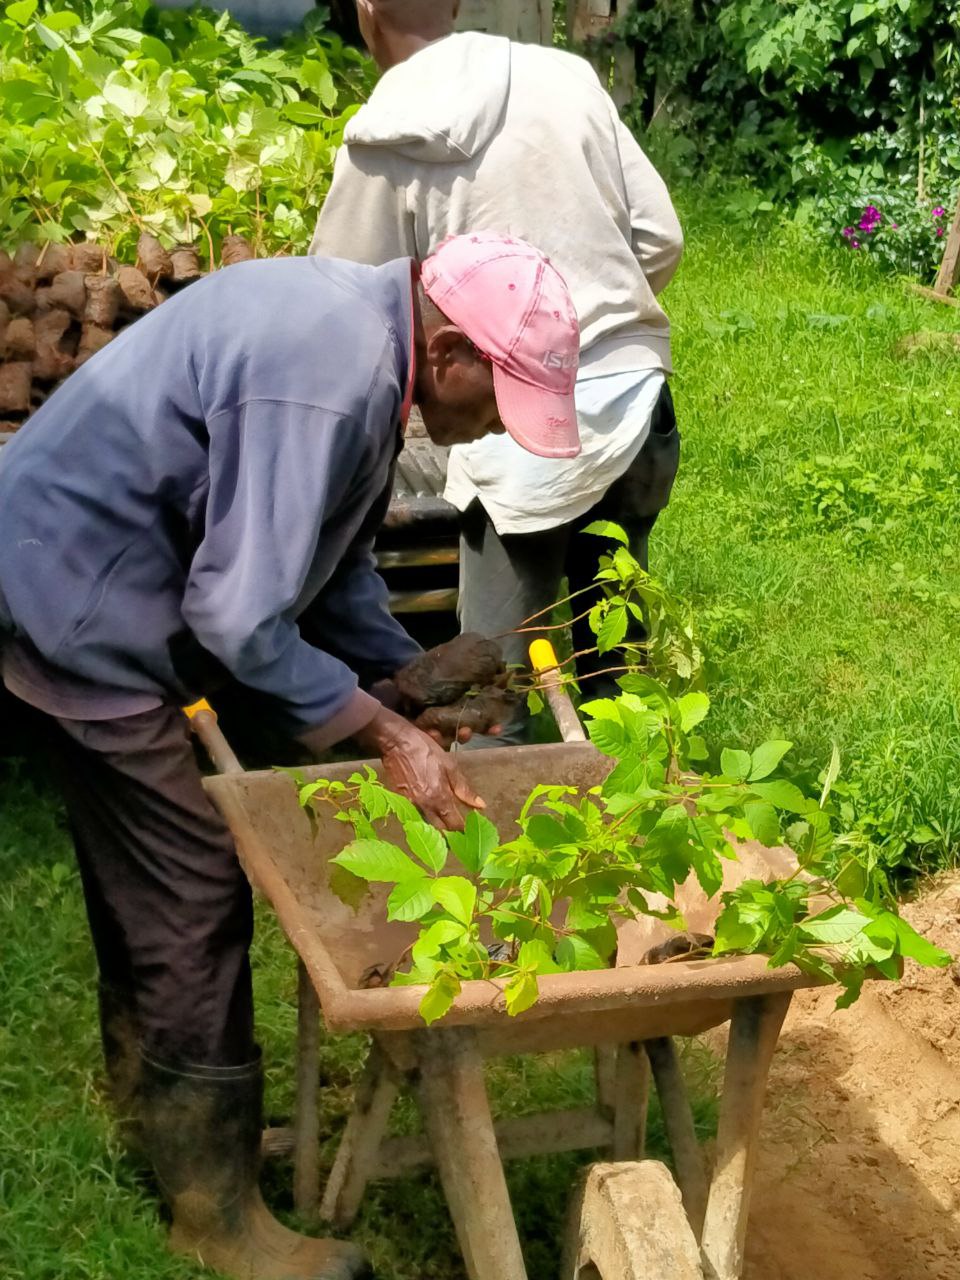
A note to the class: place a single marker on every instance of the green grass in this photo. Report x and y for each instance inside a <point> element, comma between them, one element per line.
<point>815,526</point>
<point>820,626</point>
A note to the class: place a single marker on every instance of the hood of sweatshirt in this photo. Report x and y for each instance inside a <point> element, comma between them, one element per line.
<point>444,104</point>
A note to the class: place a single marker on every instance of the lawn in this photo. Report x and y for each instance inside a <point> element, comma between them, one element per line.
<point>814,529</point>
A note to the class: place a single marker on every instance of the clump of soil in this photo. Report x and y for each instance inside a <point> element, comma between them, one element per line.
<point>62,303</point>
<point>462,684</point>
<point>440,676</point>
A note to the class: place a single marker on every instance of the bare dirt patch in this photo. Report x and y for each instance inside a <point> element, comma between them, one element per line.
<point>859,1170</point>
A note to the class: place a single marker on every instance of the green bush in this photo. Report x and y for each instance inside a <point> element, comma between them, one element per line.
<point>828,106</point>
<point>119,117</point>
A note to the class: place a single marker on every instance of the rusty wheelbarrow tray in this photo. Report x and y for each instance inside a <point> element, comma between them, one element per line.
<point>627,1221</point>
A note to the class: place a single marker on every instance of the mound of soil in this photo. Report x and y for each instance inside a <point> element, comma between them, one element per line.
<point>859,1170</point>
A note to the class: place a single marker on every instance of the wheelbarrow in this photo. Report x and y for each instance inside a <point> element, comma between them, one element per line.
<point>630,1218</point>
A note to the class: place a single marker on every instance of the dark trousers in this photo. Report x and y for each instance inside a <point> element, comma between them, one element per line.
<point>169,907</point>
<point>506,579</point>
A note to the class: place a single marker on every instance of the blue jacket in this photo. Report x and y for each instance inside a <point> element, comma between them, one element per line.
<point>212,480</point>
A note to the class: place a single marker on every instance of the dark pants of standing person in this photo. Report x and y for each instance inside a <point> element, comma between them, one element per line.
<point>506,579</point>
<point>170,909</point>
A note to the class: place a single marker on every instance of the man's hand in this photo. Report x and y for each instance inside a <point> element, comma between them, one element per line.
<point>417,767</point>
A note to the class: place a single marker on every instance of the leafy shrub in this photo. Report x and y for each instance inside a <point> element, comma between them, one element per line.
<point>839,98</point>
<point>120,117</point>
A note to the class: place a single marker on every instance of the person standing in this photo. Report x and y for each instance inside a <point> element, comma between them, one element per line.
<point>473,130</point>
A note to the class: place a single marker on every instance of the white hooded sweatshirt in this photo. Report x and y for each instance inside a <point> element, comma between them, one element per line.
<point>475,132</point>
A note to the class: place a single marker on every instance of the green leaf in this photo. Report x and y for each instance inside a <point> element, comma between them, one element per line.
<point>61,20</point>
<point>860,12</point>
<point>444,989</point>
<point>303,113</point>
<point>783,794</point>
<point>410,899</point>
<point>348,887</point>
<point>53,192</point>
<point>536,955</point>
<point>151,47</point>
<point>475,843</point>
<point>520,993</point>
<point>692,707</point>
<point>377,861</point>
<point>426,843</point>
<point>607,529</point>
<point>834,926</point>
<point>575,952</point>
<point>766,758</point>
<point>534,702</point>
<point>546,832</point>
<point>734,764</point>
<point>912,945</point>
<point>457,896</point>
<point>22,11</point>
<point>130,102</point>
<point>763,821</point>
<point>612,629</point>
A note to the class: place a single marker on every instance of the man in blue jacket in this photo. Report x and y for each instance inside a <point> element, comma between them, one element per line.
<point>196,504</point>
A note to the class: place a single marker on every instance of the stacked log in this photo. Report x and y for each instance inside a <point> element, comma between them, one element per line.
<point>62,303</point>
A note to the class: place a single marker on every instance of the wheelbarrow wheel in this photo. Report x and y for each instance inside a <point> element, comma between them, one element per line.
<point>627,1222</point>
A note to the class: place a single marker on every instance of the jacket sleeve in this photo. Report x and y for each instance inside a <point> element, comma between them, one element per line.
<point>656,237</point>
<point>276,470</point>
<point>378,646</point>
<point>364,217</point>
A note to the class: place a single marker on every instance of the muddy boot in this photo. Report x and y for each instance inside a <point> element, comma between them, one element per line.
<point>202,1128</point>
<point>120,1038</point>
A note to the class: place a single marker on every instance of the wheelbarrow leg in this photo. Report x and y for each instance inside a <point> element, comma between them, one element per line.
<point>456,1115</point>
<point>754,1029</point>
<point>631,1094</point>
<point>357,1153</point>
<point>678,1123</point>
<point>306,1149</point>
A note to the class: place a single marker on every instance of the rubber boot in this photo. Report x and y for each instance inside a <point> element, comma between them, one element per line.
<point>202,1129</point>
<point>120,1037</point>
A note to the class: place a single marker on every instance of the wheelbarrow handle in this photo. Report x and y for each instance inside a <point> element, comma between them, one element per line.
<point>203,722</point>
<point>543,659</point>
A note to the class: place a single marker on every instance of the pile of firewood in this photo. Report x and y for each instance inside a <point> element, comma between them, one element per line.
<point>59,304</point>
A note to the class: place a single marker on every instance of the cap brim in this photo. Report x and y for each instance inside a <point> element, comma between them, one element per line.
<point>543,422</point>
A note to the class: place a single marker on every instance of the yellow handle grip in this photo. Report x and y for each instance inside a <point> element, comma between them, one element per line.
<point>542,655</point>
<point>196,707</point>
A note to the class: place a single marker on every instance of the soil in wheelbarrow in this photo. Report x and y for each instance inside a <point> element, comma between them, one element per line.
<point>859,1170</point>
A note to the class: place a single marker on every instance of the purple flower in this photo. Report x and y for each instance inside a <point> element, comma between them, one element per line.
<point>894,226</point>
<point>868,225</point>
<point>939,212</point>
<point>855,244</point>
<point>939,232</point>
<point>848,233</point>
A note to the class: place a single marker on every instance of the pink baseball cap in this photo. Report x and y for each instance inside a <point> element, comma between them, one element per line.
<point>515,308</point>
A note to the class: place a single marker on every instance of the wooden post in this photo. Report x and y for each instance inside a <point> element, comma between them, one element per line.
<point>456,1114</point>
<point>678,1123</point>
<point>306,1151</point>
<point>950,266</point>
<point>754,1029</point>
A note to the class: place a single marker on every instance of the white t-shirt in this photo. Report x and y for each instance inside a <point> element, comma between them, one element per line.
<point>522,493</point>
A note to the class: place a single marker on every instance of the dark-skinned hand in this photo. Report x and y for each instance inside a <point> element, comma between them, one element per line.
<point>416,766</point>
